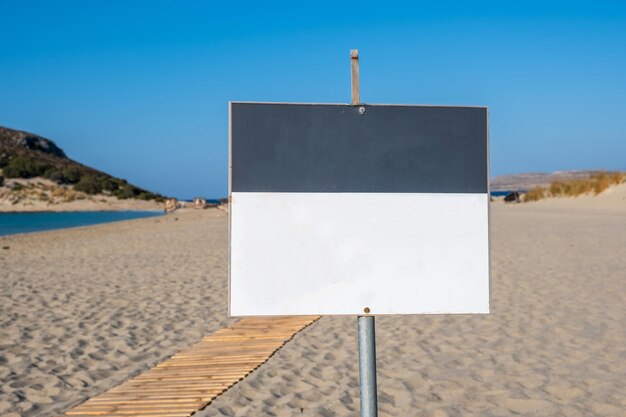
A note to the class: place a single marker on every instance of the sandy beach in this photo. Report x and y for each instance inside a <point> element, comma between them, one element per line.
<point>554,344</point>
<point>82,310</point>
<point>85,309</point>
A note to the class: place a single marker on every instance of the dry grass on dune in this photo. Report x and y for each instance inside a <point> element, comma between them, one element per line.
<point>535,194</point>
<point>596,183</point>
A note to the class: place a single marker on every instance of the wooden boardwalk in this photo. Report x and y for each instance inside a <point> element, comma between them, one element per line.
<point>191,379</point>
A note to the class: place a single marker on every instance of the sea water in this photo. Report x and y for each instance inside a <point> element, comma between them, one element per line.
<point>504,193</point>
<point>13,223</point>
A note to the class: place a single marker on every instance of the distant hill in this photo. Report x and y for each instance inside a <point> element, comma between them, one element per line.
<point>25,155</point>
<point>532,180</point>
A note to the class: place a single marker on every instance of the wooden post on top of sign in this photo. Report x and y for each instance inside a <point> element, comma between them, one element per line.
<point>366,324</point>
<point>354,67</point>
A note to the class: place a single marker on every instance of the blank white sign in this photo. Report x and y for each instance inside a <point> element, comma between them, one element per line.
<point>340,253</point>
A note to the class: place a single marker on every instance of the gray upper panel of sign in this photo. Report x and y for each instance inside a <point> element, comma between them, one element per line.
<point>330,148</point>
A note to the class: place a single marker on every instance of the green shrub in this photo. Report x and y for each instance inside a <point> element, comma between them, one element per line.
<point>126,191</point>
<point>71,175</point>
<point>109,184</point>
<point>65,176</point>
<point>55,175</point>
<point>147,195</point>
<point>24,167</point>
<point>89,184</point>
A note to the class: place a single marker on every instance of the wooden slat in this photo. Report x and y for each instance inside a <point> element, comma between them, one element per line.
<point>191,379</point>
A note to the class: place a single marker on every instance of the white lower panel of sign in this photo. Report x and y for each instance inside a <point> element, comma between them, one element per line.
<point>339,253</point>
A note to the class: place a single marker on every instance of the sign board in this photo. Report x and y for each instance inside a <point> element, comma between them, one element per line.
<point>341,209</point>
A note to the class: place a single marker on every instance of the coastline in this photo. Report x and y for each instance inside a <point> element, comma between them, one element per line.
<point>104,204</point>
<point>19,223</point>
<point>106,210</point>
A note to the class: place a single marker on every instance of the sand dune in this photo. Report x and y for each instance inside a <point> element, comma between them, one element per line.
<point>612,199</point>
<point>38,194</point>
<point>82,310</point>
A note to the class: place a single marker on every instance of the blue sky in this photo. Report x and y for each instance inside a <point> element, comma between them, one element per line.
<point>140,89</point>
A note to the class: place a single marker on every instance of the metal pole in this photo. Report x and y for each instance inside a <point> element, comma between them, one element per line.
<point>367,333</point>
<point>367,366</point>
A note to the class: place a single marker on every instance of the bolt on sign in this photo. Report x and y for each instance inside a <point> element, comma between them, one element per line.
<point>350,209</point>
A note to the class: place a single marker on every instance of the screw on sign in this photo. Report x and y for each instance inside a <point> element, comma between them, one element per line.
<point>358,209</point>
